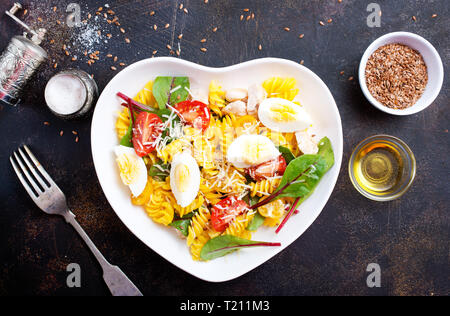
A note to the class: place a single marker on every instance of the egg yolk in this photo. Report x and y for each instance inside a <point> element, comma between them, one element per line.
<point>282,113</point>
<point>182,177</point>
<point>255,153</point>
<point>128,167</point>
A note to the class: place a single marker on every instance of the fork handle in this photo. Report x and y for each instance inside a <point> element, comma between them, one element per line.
<point>117,282</point>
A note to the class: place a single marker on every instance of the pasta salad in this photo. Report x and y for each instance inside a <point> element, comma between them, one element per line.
<point>217,166</point>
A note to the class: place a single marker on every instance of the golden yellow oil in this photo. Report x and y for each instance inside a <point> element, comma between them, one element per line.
<point>378,168</point>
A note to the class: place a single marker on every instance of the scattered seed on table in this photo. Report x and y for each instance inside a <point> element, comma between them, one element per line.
<point>287,29</point>
<point>215,29</point>
<point>301,36</point>
<point>61,133</point>
<point>115,58</point>
<point>350,78</point>
<point>167,25</point>
<point>321,23</point>
<point>242,17</point>
<point>260,47</point>
<point>203,40</point>
<point>181,6</point>
<point>434,15</point>
<point>127,40</point>
<point>46,123</point>
<point>203,49</point>
<point>330,20</point>
<point>302,62</point>
<point>180,36</point>
<point>113,68</point>
<point>155,27</point>
<point>121,64</point>
<point>185,10</point>
<point>109,55</point>
<point>152,13</point>
<point>414,18</point>
<point>76,139</point>
<point>122,30</point>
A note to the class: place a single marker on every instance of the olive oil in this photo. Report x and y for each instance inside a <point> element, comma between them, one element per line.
<point>378,168</point>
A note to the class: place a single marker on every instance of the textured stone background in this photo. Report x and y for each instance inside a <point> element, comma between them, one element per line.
<point>408,237</point>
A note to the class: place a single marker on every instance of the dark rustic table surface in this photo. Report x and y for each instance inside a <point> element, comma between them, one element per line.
<point>408,238</point>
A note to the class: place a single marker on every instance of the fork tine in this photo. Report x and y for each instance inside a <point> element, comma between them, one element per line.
<point>28,175</point>
<point>39,166</point>
<point>22,179</point>
<point>33,169</point>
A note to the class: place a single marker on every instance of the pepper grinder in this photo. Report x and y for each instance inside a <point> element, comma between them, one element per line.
<point>20,60</point>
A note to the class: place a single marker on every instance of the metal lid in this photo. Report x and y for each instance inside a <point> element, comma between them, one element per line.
<point>27,45</point>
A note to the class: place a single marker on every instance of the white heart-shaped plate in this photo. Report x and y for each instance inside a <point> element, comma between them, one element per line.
<point>314,96</point>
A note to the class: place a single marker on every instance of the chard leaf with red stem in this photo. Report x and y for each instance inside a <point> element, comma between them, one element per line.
<point>226,244</point>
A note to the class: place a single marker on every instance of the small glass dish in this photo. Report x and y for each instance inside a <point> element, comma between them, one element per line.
<point>405,170</point>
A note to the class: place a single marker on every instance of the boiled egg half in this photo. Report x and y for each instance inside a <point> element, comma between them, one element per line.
<point>251,150</point>
<point>132,169</point>
<point>184,178</point>
<point>283,115</point>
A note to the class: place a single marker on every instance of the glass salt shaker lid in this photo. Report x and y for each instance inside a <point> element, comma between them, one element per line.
<point>71,93</point>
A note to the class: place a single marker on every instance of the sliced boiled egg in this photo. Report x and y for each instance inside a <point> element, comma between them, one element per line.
<point>184,178</point>
<point>132,169</point>
<point>251,150</point>
<point>283,115</point>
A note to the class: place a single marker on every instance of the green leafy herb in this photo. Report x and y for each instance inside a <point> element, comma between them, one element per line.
<point>286,153</point>
<point>223,245</point>
<point>159,171</point>
<point>305,172</point>
<point>163,86</point>
<point>127,138</point>
<point>182,225</point>
<point>256,222</point>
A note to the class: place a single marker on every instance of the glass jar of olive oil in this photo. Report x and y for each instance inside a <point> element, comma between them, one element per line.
<point>382,167</point>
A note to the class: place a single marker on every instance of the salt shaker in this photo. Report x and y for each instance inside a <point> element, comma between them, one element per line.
<point>71,93</point>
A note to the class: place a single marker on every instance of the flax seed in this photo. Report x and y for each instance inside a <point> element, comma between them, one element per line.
<point>203,40</point>
<point>61,133</point>
<point>185,10</point>
<point>214,29</point>
<point>122,30</point>
<point>167,26</point>
<point>321,23</point>
<point>203,49</point>
<point>260,47</point>
<point>115,58</point>
<point>46,123</point>
<point>109,55</point>
<point>113,68</point>
<point>127,40</point>
<point>122,64</point>
<point>152,13</point>
<point>287,29</point>
<point>301,36</point>
<point>242,17</point>
<point>168,46</point>
<point>76,139</point>
<point>180,36</point>
<point>434,16</point>
<point>155,27</point>
<point>414,18</point>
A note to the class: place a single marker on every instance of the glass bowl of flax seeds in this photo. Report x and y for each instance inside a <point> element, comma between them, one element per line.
<point>401,73</point>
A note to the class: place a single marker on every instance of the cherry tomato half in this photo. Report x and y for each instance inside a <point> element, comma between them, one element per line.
<point>146,130</point>
<point>194,113</point>
<point>268,169</point>
<point>226,211</point>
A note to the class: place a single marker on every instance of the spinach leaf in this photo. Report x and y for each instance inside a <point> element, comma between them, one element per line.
<point>182,225</point>
<point>256,222</point>
<point>127,138</point>
<point>286,153</point>
<point>223,245</point>
<point>162,87</point>
<point>159,171</point>
<point>304,173</point>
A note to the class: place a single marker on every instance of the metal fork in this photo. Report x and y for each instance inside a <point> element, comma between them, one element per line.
<point>49,198</point>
